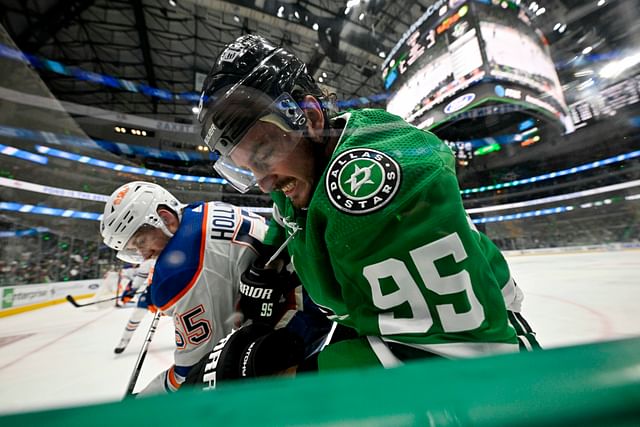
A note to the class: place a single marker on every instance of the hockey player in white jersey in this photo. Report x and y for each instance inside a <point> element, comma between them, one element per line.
<point>137,285</point>
<point>201,252</point>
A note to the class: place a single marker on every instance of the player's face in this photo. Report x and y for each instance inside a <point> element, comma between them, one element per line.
<point>148,241</point>
<point>279,160</point>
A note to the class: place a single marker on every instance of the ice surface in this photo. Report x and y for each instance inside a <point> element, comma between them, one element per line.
<point>63,356</point>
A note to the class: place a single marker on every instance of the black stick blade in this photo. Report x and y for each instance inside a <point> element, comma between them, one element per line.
<point>72,301</point>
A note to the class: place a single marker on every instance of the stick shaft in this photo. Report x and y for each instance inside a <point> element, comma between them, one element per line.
<point>142,355</point>
<point>77,304</point>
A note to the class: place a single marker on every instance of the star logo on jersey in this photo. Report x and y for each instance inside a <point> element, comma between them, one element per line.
<point>362,180</point>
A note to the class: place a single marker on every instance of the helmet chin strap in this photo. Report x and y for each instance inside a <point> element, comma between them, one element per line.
<point>165,230</point>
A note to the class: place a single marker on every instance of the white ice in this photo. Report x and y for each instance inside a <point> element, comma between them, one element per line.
<point>63,356</point>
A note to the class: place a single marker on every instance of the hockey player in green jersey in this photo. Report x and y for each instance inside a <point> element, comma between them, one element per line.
<point>370,209</point>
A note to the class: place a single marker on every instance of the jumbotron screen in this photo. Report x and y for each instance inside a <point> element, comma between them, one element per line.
<point>456,47</point>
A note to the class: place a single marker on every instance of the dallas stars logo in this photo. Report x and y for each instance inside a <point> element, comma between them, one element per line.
<point>359,178</point>
<point>362,180</point>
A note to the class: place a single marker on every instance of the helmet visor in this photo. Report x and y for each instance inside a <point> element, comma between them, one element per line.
<point>130,255</point>
<point>240,178</point>
<point>227,129</point>
<point>142,238</point>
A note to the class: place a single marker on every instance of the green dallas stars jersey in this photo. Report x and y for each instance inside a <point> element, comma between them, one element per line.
<point>387,246</point>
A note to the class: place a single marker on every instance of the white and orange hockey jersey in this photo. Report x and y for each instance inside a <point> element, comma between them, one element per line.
<point>196,280</point>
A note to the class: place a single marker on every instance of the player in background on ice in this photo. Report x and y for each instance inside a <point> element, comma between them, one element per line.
<point>141,276</point>
<point>126,276</point>
<point>378,233</point>
<point>201,251</point>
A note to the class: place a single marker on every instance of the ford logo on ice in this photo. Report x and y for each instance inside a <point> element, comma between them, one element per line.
<point>459,103</point>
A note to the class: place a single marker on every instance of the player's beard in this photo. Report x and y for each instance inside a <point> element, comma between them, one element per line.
<point>319,165</point>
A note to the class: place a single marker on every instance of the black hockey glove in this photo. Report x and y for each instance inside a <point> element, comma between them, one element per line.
<point>261,290</point>
<point>254,350</point>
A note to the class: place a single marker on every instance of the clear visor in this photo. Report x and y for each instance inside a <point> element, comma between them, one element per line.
<point>130,255</point>
<point>268,148</point>
<point>142,238</point>
<point>241,179</point>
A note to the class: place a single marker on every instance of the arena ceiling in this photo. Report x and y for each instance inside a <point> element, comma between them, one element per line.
<point>166,43</point>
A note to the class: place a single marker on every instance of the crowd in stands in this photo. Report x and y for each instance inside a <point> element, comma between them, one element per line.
<point>625,171</point>
<point>45,257</point>
<point>597,225</point>
<point>54,256</point>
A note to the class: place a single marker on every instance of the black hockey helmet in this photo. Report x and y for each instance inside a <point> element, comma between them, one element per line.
<point>251,79</point>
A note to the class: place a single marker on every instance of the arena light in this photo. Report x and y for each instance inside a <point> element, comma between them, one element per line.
<point>89,76</point>
<point>576,169</point>
<point>25,232</point>
<point>487,149</point>
<point>615,68</point>
<point>522,215</point>
<point>133,131</point>
<point>44,210</point>
<point>28,186</point>
<point>558,198</point>
<point>125,168</point>
<point>8,150</point>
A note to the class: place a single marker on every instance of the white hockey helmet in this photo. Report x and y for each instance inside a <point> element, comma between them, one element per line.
<point>130,207</point>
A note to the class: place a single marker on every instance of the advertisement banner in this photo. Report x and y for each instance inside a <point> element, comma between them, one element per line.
<point>30,294</point>
<point>24,295</point>
<point>62,289</point>
<point>7,297</point>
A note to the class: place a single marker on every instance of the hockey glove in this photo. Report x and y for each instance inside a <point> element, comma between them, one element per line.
<point>254,350</point>
<point>128,294</point>
<point>261,290</point>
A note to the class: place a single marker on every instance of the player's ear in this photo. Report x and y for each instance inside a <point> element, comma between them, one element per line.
<point>315,118</point>
<point>169,218</point>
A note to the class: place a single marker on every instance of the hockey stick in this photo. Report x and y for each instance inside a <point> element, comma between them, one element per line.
<point>76,304</point>
<point>142,355</point>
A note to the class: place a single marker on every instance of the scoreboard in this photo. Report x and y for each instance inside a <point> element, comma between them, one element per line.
<point>465,54</point>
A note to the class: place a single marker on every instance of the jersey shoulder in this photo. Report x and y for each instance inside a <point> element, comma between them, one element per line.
<point>178,266</point>
<point>380,165</point>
